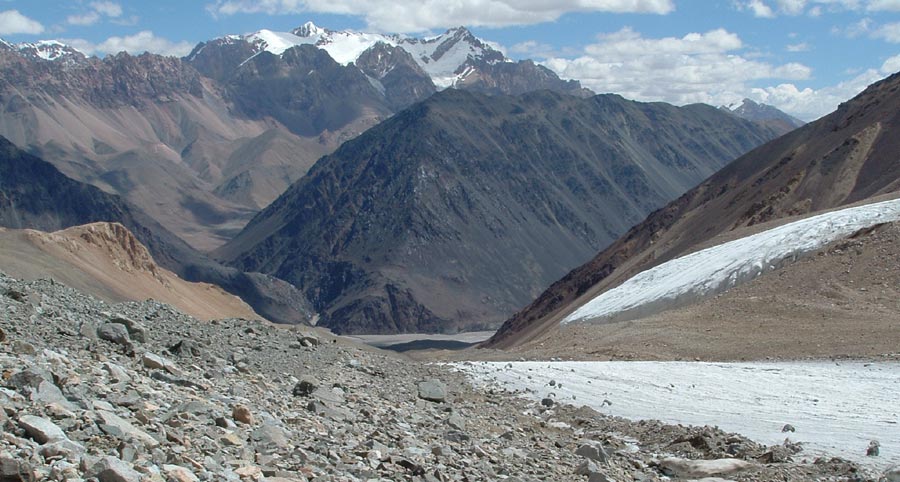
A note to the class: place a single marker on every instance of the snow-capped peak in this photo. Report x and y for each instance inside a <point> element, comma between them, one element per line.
<point>442,57</point>
<point>309,29</point>
<point>50,50</point>
<point>274,42</point>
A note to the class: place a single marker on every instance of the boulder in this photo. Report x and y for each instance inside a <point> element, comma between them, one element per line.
<point>111,469</point>
<point>684,468</point>
<point>41,429</point>
<point>432,390</point>
<point>120,428</point>
<point>136,329</point>
<point>304,388</point>
<point>114,332</point>
<point>593,451</point>
<point>156,362</point>
<point>241,413</point>
<point>178,473</point>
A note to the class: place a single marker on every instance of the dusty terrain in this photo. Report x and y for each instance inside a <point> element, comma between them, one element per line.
<point>843,301</point>
<point>107,261</point>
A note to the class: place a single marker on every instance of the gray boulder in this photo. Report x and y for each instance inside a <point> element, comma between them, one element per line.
<point>111,469</point>
<point>114,332</point>
<point>41,429</point>
<point>433,390</point>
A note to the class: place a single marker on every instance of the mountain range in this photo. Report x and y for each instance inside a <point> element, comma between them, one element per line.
<point>849,156</point>
<point>202,143</point>
<point>456,211</point>
<point>500,175</point>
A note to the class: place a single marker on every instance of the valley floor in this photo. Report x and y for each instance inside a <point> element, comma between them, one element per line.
<point>137,392</point>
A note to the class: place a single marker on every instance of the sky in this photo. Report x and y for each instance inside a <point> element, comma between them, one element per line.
<point>802,56</point>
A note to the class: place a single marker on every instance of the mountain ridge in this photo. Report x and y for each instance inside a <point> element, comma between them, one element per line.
<point>442,217</point>
<point>842,158</point>
<point>764,114</point>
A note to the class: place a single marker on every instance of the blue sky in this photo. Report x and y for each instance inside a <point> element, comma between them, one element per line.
<point>803,56</point>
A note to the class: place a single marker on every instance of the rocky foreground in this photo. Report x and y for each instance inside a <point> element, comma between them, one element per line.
<point>140,392</point>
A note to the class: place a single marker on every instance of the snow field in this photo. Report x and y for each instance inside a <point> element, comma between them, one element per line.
<point>713,270</point>
<point>836,408</point>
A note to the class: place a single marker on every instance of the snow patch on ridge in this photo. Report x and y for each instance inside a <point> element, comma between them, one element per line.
<point>719,268</point>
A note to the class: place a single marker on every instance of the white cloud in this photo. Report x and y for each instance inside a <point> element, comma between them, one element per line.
<point>138,43</point>
<point>855,29</point>
<point>798,47</point>
<point>12,22</point>
<point>884,6</point>
<point>891,65</point>
<point>109,9</point>
<point>698,67</point>
<point>791,7</point>
<point>88,18</point>
<point>814,8</point>
<point>98,10</point>
<point>889,32</point>
<point>406,16</point>
<point>760,9</point>
<point>810,104</point>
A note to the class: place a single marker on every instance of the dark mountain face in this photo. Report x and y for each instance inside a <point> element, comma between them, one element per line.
<point>117,80</point>
<point>303,88</point>
<point>458,210</point>
<point>403,81</point>
<point>848,156</point>
<point>514,78</point>
<point>34,194</point>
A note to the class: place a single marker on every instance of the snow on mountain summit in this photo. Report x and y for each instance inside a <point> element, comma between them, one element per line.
<point>50,50</point>
<point>443,57</point>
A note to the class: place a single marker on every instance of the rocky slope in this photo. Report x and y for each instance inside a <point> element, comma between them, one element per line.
<point>108,262</point>
<point>845,157</point>
<point>153,130</point>
<point>34,194</point>
<point>138,392</point>
<point>458,210</point>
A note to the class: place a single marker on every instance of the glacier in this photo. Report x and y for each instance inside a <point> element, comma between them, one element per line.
<point>713,270</point>
<point>836,407</point>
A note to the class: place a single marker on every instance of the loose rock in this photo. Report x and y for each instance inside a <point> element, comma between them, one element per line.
<point>41,429</point>
<point>240,413</point>
<point>432,390</point>
<point>115,333</point>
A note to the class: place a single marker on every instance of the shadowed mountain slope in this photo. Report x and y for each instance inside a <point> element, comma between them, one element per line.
<point>454,212</point>
<point>848,156</point>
